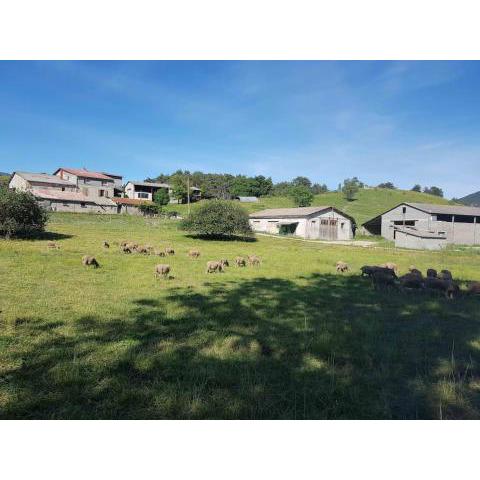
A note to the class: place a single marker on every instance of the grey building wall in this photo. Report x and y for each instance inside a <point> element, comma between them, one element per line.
<point>404,240</point>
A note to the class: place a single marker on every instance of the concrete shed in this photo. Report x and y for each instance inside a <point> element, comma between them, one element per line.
<point>320,223</point>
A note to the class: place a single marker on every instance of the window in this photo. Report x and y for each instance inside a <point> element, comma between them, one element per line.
<point>65,204</point>
<point>342,225</point>
<point>404,209</point>
<point>104,183</point>
<point>101,193</point>
<point>63,189</point>
<point>142,195</point>
<point>83,205</point>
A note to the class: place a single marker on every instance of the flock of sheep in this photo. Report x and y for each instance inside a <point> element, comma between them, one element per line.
<point>163,269</point>
<point>386,276</point>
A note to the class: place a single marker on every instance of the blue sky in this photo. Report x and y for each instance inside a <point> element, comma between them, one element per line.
<point>405,122</point>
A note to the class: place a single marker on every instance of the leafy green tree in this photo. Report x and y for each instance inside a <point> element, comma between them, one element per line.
<point>150,209</point>
<point>281,189</point>
<point>350,188</point>
<point>301,195</point>
<point>161,197</point>
<point>317,188</point>
<point>218,218</point>
<point>301,181</point>
<point>417,188</point>
<point>388,185</point>
<point>178,183</point>
<point>437,191</point>
<point>20,214</point>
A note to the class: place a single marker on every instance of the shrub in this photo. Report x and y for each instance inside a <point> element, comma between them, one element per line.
<point>150,209</point>
<point>301,196</point>
<point>218,218</point>
<point>20,214</point>
<point>161,197</point>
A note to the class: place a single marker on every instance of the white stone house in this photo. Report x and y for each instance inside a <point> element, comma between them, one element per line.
<point>146,190</point>
<point>319,223</point>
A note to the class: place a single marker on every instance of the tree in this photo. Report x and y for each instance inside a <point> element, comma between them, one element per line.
<point>218,218</point>
<point>350,188</point>
<point>20,214</point>
<point>301,195</point>
<point>416,188</point>
<point>301,181</point>
<point>281,189</point>
<point>178,183</point>
<point>388,185</point>
<point>317,188</point>
<point>437,191</point>
<point>161,197</point>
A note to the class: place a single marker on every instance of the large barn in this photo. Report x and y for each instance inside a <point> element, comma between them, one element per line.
<point>427,226</point>
<point>320,223</point>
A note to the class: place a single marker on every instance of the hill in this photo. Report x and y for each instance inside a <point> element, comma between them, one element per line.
<point>473,199</point>
<point>3,174</point>
<point>369,202</point>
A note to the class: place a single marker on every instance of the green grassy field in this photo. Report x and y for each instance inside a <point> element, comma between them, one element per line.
<point>290,339</point>
<point>368,204</point>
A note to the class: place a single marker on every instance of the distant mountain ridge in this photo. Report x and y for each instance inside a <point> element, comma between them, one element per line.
<point>472,200</point>
<point>3,174</point>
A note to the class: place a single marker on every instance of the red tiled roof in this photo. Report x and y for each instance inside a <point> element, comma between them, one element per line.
<point>81,172</point>
<point>130,201</point>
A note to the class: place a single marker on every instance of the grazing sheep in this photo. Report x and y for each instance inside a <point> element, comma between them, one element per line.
<point>162,270</point>
<point>53,245</point>
<point>240,262</point>
<point>193,253</point>
<point>159,253</point>
<point>224,262</point>
<point>383,280</point>
<point>106,244</point>
<point>142,249</point>
<point>169,251</point>
<point>132,246</point>
<point>370,270</point>
<point>341,267</point>
<point>447,287</point>
<point>126,249</point>
<point>445,275</point>
<point>431,273</point>
<point>253,260</point>
<point>474,288</point>
<point>412,280</point>
<point>415,271</point>
<point>391,266</point>
<point>88,260</point>
<point>214,266</point>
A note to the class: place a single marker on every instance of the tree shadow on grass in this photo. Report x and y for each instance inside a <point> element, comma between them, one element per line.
<point>52,236</point>
<point>222,238</point>
<point>322,346</point>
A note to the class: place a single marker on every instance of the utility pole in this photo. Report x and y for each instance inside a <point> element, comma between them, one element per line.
<point>188,194</point>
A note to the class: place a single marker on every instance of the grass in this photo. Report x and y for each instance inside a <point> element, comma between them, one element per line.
<point>368,204</point>
<point>290,339</point>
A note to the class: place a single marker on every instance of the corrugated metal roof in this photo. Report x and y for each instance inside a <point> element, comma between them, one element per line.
<point>288,212</point>
<point>81,172</point>
<point>445,209</point>
<point>44,178</point>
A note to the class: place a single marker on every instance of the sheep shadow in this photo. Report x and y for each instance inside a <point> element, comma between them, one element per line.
<point>319,347</point>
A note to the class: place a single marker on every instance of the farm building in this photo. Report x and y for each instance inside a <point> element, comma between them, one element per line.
<point>321,223</point>
<point>247,199</point>
<point>427,226</point>
<point>146,191</point>
<point>129,205</point>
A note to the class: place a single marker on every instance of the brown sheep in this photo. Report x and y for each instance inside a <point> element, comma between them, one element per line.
<point>240,262</point>
<point>383,280</point>
<point>391,266</point>
<point>162,270</point>
<point>445,275</point>
<point>412,280</point>
<point>447,287</point>
<point>106,244</point>
<point>124,243</point>
<point>253,260</point>
<point>159,253</point>
<point>132,246</point>
<point>169,251</point>
<point>214,266</point>
<point>126,249</point>
<point>53,245</point>
<point>224,262</point>
<point>474,288</point>
<point>431,273</point>
<point>88,260</point>
<point>193,253</point>
<point>341,267</point>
